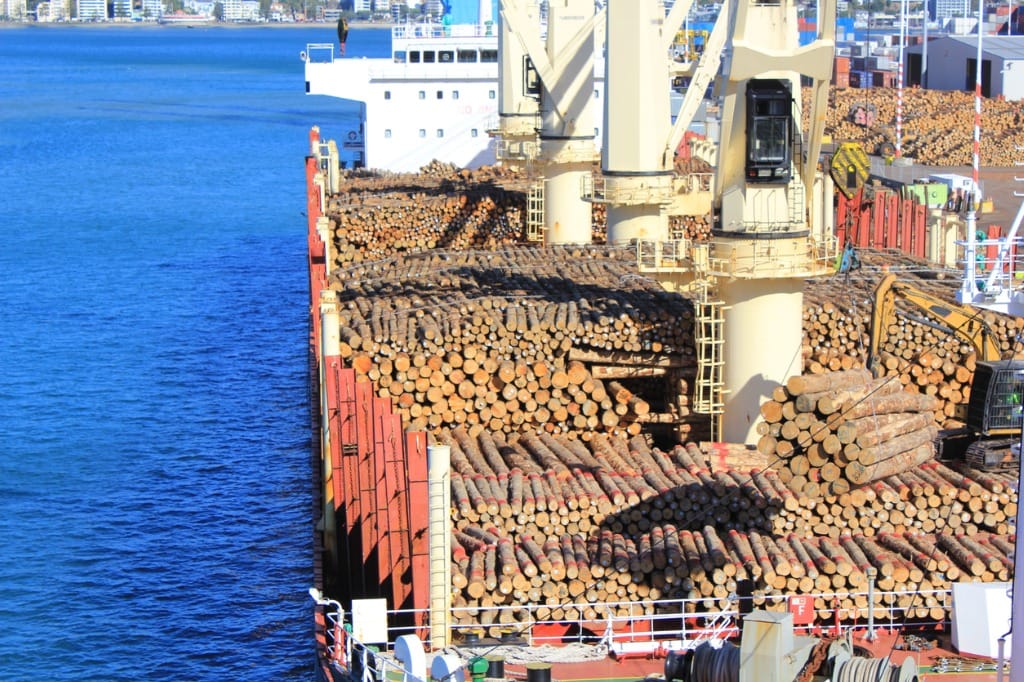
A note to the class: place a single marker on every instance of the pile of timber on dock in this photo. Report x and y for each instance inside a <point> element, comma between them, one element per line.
<point>578,528</point>
<point>937,125</point>
<point>839,430</point>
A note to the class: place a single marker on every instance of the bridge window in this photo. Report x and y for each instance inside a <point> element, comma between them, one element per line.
<point>423,132</point>
<point>446,56</point>
<point>429,56</point>
<point>467,56</point>
<point>491,94</point>
<point>474,132</point>
<point>440,94</point>
<point>387,133</point>
<point>769,130</point>
<point>440,132</point>
<point>414,57</point>
<point>423,94</point>
<point>400,56</point>
<point>387,94</point>
<point>488,55</point>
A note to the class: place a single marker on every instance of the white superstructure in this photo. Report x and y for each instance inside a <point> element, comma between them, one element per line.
<point>435,97</point>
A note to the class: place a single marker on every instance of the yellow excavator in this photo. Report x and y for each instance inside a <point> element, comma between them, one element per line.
<point>993,415</point>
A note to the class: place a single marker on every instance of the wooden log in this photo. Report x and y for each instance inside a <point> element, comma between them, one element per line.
<point>894,456</point>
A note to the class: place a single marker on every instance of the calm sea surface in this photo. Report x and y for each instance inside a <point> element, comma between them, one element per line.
<point>155,511</point>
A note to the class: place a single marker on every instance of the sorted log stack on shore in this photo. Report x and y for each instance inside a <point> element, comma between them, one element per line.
<point>937,124</point>
<point>839,430</point>
<point>576,528</point>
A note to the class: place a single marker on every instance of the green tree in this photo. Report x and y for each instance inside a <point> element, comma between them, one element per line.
<point>218,11</point>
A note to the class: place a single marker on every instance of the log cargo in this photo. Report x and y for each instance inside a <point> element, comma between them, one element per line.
<point>546,368</point>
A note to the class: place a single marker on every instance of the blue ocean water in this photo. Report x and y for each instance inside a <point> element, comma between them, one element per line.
<point>155,506</point>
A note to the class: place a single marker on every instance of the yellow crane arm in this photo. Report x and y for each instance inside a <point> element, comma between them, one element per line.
<point>965,323</point>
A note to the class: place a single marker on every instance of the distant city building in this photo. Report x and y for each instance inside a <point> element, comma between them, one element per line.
<point>152,9</point>
<point>15,10</point>
<point>57,10</point>
<point>945,9</point>
<point>122,10</point>
<point>241,10</point>
<point>92,10</point>
<point>362,6</point>
<point>204,7</point>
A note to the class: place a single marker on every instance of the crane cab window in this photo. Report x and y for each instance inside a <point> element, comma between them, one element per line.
<point>769,130</point>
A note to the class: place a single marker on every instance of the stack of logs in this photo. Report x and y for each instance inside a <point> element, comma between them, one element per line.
<point>837,319</point>
<point>577,528</point>
<point>378,217</point>
<point>937,125</point>
<point>840,430</point>
<point>567,355</point>
<point>511,355</point>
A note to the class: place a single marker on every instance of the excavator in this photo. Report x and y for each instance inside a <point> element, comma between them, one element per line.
<point>991,435</point>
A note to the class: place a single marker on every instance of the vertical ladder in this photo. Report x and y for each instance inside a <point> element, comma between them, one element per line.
<point>708,391</point>
<point>535,213</point>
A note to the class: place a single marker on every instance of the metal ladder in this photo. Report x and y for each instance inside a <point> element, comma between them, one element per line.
<point>535,213</point>
<point>709,387</point>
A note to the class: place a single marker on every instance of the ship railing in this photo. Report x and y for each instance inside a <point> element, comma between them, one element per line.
<point>813,256</point>
<point>677,624</point>
<point>319,53</point>
<point>641,628</point>
<point>998,264</point>
<point>693,183</point>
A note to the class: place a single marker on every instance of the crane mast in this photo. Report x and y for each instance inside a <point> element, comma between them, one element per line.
<point>771,209</point>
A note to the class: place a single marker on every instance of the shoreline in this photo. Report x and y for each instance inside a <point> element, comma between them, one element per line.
<point>198,24</point>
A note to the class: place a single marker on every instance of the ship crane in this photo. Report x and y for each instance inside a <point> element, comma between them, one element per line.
<point>559,73</point>
<point>771,210</point>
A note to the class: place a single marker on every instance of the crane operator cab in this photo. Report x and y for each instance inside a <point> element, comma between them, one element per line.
<point>770,130</point>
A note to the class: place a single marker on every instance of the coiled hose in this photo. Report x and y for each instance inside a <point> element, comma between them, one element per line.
<point>705,663</point>
<point>859,669</point>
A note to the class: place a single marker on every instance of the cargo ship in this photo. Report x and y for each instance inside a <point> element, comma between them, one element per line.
<point>527,459</point>
<point>434,98</point>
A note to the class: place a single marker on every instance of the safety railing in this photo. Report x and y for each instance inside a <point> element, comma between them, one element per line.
<point>998,263</point>
<point>649,628</point>
<point>694,183</point>
<point>318,53</point>
<point>762,255</point>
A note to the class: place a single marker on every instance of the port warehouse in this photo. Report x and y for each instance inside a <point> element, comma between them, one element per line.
<point>429,340</point>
